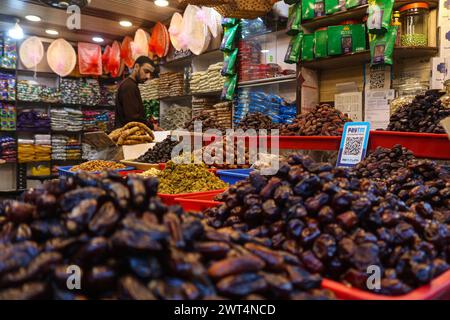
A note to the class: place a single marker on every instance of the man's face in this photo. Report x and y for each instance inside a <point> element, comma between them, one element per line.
<point>144,72</point>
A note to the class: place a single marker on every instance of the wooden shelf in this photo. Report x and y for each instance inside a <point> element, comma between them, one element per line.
<point>7,70</point>
<point>363,57</point>
<point>266,82</point>
<point>188,59</point>
<point>355,13</point>
<point>43,74</point>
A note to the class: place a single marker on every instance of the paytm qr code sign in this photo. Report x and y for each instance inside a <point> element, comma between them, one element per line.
<point>355,139</point>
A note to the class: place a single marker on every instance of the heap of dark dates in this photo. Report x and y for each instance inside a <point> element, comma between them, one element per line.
<point>257,121</point>
<point>339,225</point>
<point>422,115</point>
<point>323,120</point>
<point>208,122</point>
<point>160,153</point>
<point>418,182</point>
<point>129,245</point>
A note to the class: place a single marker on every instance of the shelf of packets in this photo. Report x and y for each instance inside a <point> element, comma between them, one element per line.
<point>33,120</point>
<point>65,148</point>
<point>8,149</point>
<point>66,119</point>
<point>274,106</point>
<point>35,150</point>
<point>7,87</point>
<point>8,52</point>
<point>210,80</point>
<point>7,117</point>
<point>98,120</point>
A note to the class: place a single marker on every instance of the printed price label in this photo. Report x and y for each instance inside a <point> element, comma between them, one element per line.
<point>355,139</point>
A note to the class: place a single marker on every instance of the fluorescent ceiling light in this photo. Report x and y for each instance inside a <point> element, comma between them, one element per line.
<point>125,23</point>
<point>33,18</point>
<point>162,3</point>
<point>16,32</point>
<point>51,32</point>
<point>97,39</point>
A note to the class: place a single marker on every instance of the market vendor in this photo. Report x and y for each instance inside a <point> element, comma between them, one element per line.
<point>129,105</point>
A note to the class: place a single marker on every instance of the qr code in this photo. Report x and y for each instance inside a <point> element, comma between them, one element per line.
<point>353,146</point>
<point>376,80</point>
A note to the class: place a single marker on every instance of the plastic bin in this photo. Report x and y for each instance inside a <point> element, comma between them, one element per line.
<point>65,171</point>
<point>126,173</point>
<point>198,203</point>
<point>233,176</point>
<point>171,199</point>
<point>439,288</point>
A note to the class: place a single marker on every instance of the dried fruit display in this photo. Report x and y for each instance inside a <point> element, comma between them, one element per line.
<point>323,120</point>
<point>160,153</point>
<point>97,165</point>
<point>257,121</point>
<point>422,115</point>
<point>130,246</point>
<point>339,225</point>
<point>132,133</point>
<point>207,121</point>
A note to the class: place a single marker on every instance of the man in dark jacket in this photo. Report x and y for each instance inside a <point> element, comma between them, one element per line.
<point>129,105</point>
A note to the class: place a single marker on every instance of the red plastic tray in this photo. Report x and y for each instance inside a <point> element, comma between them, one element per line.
<point>199,202</point>
<point>171,199</point>
<point>437,289</point>
<point>126,173</point>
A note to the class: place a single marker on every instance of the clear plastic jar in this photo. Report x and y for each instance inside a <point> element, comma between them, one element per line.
<point>407,91</point>
<point>414,19</point>
<point>445,99</point>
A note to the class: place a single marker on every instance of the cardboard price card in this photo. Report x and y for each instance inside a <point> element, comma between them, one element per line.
<point>355,139</point>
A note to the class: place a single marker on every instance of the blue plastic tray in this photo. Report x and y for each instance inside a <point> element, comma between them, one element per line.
<point>65,171</point>
<point>233,176</point>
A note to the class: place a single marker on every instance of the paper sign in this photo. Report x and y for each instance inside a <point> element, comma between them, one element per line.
<point>355,139</point>
<point>446,124</point>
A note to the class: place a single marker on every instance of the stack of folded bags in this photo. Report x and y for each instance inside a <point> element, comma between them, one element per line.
<point>149,90</point>
<point>33,120</point>
<point>8,149</point>
<point>89,92</point>
<point>209,80</point>
<point>28,90</point>
<point>66,119</point>
<point>26,150</point>
<point>108,94</point>
<point>42,147</point>
<point>171,84</point>
<point>102,120</point>
<point>69,91</point>
<point>65,148</point>
<point>7,117</point>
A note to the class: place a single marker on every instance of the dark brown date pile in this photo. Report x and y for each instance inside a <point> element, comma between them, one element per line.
<point>413,180</point>
<point>207,121</point>
<point>422,115</point>
<point>337,225</point>
<point>323,120</point>
<point>160,153</point>
<point>257,121</point>
<point>130,246</point>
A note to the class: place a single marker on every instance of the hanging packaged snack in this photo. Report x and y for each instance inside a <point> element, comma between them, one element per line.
<point>229,22</point>
<point>229,63</point>
<point>312,9</point>
<point>229,88</point>
<point>333,6</point>
<point>294,49</point>
<point>228,38</point>
<point>380,12</point>
<point>320,43</point>
<point>308,47</point>
<point>358,37</point>
<point>294,25</point>
<point>334,35</point>
<point>382,47</point>
<point>354,3</point>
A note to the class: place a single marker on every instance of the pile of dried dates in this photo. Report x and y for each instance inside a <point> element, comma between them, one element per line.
<point>160,153</point>
<point>128,245</point>
<point>422,115</point>
<point>323,120</point>
<point>257,121</point>
<point>339,225</point>
<point>206,120</point>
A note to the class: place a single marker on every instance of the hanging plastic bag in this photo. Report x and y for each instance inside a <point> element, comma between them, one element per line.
<point>125,52</point>
<point>229,63</point>
<point>90,59</point>
<point>382,46</point>
<point>380,13</point>
<point>31,52</point>
<point>228,38</point>
<point>105,59</point>
<point>229,88</point>
<point>114,59</point>
<point>61,57</point>
<point>294,49</point>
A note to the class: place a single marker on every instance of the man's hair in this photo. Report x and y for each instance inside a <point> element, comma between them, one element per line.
<point>143,60</point>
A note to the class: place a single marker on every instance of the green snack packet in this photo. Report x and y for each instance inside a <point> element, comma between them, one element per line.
<point>358,37</point>
<point>292,1</point>
<point>294,49</point>
<point>382,46</point>
<point>229,88</point>
<point>229,22</point>
<point>320,44</point>
<point>229,62</point>
<point>380,13</point>
<point>228,38</point>
<point>354,3</point>
<point>308,47</point>
<point>312,9</point>
<point>334,40</point>
<point>294,25</point>
<point>333,6</point>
